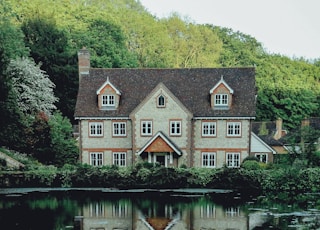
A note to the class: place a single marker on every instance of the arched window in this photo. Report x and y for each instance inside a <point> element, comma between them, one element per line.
<point>161,101</point>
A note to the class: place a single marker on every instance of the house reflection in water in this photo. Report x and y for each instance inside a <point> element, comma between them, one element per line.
<point>151,215</point>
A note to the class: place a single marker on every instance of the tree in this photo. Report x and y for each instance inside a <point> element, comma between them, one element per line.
<point>106,43</point>
<point>192,45</point>
<point>31,87</point>
<point>63,146</point>
<point>49,46</point>
<point>303,142</point>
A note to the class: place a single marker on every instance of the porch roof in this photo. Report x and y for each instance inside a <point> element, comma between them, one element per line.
<point>160,136</point>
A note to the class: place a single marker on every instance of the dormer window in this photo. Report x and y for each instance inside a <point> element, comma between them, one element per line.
<point>108,96</point>
<point>161,102</point>
<point>221,100</point>
<point>108,100</point>
<point>221,95</point>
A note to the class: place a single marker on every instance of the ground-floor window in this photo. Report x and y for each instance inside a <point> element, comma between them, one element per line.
<point>119,159</point>
<point>233,160</point>
<point>263,157</point>
<point>96,158</point>
<point>208,160</point>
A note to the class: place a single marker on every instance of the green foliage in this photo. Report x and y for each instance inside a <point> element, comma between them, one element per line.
<point>63,146</point>
<point>106,43</point>
<point>251,165</point>
<point>49,46</point>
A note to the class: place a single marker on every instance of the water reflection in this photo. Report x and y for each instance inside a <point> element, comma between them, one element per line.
<point>161,213</point>
<point>102,211</point>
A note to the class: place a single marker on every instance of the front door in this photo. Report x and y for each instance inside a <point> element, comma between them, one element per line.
<point>161,159</point>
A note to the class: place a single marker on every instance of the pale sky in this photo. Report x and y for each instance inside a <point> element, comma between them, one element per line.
<point>287,27</point>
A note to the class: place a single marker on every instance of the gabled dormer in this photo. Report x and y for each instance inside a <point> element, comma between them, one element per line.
<point>108,96</point>
<point>221,95</point>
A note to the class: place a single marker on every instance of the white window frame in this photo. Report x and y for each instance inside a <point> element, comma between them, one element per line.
<point>221,99</point>
<point>108,100</point>
<point>175,128</point>
<point>119,129</point>
<point>208,160</point>
<point>260,157</point>
<point>233,160</point>
<point>119,159</point>
<point>146,128</point>
<point>233,129</point>
<point>208,129</point>
<point>96,158</point>
<point>95,129</point>
<point>161,101</point>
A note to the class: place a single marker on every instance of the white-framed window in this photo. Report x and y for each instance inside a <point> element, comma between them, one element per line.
<point>234,129</point>
<point>146,128</point>
<point>95,129</point>
<point>119,159</point>
<point>161,101</point>
<point>221,100</point>
<point>96,158</point>
<point>263,157</point>
<point>233,160</point>
<point>208,160</point>
<point>175,128</point>
<point>108,100</point>
<point>119,129</point>
<point>209,129</point>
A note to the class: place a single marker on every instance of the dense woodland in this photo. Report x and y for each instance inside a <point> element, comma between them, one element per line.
<point>39,40</point>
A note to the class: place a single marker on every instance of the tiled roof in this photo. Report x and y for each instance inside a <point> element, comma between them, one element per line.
<point>190,86</point>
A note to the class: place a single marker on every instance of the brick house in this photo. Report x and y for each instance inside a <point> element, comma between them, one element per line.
<point>195,117</point>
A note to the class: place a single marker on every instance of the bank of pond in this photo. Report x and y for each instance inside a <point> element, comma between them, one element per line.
<point>289,184</point>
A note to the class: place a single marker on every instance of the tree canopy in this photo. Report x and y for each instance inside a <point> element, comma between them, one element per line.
<point>123,34</point>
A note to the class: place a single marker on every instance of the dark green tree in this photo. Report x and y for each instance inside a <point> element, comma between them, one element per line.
<point>49,46</point>
<point>106,43</point>
<point>63,146</point>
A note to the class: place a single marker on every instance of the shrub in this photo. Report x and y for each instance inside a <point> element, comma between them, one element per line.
<point>251,165</point>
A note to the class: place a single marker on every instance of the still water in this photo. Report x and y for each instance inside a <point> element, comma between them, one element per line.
<point>93,210</point>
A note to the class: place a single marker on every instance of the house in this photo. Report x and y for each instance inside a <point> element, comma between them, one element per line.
<point>195,117</point>
<point>267,140</point>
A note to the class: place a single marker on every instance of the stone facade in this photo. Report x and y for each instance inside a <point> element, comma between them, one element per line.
<point>175,117</point>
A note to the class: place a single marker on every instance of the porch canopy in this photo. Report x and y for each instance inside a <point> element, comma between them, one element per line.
<point>160,143</point>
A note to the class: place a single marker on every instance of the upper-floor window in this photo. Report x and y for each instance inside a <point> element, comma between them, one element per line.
<point>96,158</point>
<point>209,160</point>
<point>175,128</point>
<point>119,129</point>
<point>234,129</point>
<point>108,100</point>
<point>96,129</point>
<point>161,102</point>
<point>119,159</point>
<point>221,100</point>
<point>208,129</point>
<point>233,160</point>
<point>146,128</point>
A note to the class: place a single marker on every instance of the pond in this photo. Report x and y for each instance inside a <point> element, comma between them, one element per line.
<point>91,209</point>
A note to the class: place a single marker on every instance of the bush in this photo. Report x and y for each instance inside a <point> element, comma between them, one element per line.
<point>251,165</point>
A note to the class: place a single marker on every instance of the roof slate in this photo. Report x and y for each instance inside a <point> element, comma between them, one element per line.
<point>190,86</point>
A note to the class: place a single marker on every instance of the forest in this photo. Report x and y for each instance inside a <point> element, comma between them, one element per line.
<point>39,40</point>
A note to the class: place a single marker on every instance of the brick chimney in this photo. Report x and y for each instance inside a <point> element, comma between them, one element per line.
<point>83,62</point>
<point>278,133</point>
